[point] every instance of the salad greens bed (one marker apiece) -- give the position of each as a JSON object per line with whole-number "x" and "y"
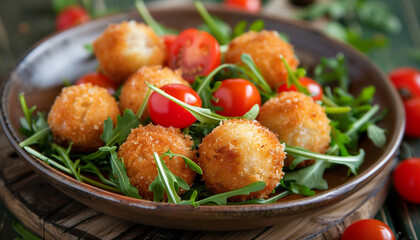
{"x": 351, "y": 118}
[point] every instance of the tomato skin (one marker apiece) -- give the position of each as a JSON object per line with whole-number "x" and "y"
{"x": 407, "y": 179}
{"x": 253, "y": 6}
{"x": 368, "y": 229}
{"x": 166, "y": 113}
{"x": 169, "y": 41}
{"x": 236, "y": 97}
{"x": 196, "y": 52}
{"x": 70, "y": 17}
{"x": 100, "y": 80}
{"x": 407, "y": 81}
{"x": 313, "y": 87}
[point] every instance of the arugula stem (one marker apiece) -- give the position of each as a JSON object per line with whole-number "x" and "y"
{"x": 337, "y": 110}
{"x": 33, "y": 139}
{"x": 63, "y": 154}
{"x": 292, "y": 79}
{"x": 141, "y": 7}
{"x": 210, "y": 76}
{"x": 26, "y": 111}
{"x": 49, "y": 161}
{"x": 143, "y": 105}
{"x": 247, "y": 59}
{"x": 273, "y": 199}
{"x": 208, "y": 19}
{"x": 328, "y": 102}
{"x": 364, "y": 119}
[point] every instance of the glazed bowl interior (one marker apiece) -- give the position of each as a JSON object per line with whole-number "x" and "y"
{"x": 40, "y": 77}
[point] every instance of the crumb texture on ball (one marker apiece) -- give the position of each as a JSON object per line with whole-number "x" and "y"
{"x": 240, "y": 152}
{"x": 135, "y": 90}
{"x": 266, "y": 49}
{"x": 125, "y": 47}
{"x": 77, "y": 115}
{"x": 298, "y": 121}
{"x": 137, "y": 154}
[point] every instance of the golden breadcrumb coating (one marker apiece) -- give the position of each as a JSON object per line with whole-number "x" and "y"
{"x": 240, "y": 152}
{"x": 298, "y": 121}
{"x": 134, "y": 89}
{"x": 78, "y": 115}
{"x": 125, "y": 47}
{"x": 265, "y": 48}
{"x": 137, "y": 154}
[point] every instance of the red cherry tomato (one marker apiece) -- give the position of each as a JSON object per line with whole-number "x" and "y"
{"x": 236, "y": 97}
{"x": 313, "y": 87}
{"x": 407, "y": 82}
{"x": 100, "y": 80}
{"x": 169, "y": 41}
{"x": 407, "y": 179}
{"x": 70, "y": 17}
{"x": 247, "y": 5}
{"x": 368, "y": 229}
{"x": 164, "y": 112}
{"x": 196, "y": 52}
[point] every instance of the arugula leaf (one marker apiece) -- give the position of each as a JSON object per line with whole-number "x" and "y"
{"x": 241, "y": 27}
{"x": 59, "y": 5}
{"x": 158, "y": 28}
{"x": 112, "y": 136}
{"x": 332, "y": 69}
{"x": 377, "y": 135}
{"x": 310, "y": 176}
{"x": 167, "y": 182}
{"x": 273, "y": 199}
{"x": 293, "y": 78}
{"x": 119, "y": 171}
{"x": 221, "y": 198}
{"x": 23, "y": 232}
{"x": 297, "y": 188}
{"x": 255, "y": 74}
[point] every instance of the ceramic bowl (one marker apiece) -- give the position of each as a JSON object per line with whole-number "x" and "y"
{"x": 62, "y": 56}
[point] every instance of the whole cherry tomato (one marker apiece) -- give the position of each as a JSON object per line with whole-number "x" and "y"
{"x": 164, "y": 112}
{"x": 169, "y": 41}
{"x": 368, "y": 229}
{"x": 407, "y": 82}
{"x": 100, "y": 80}
{"x": 407, "y": 179}
{"x": 313, "y": 87}
{"x": 236, "y": 97}
{"x": 195, "y": 52}
{"x": 70, "y": 17}
{"x": 247, "y": 5}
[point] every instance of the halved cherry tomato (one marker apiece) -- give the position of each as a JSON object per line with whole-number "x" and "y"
{"x": 70, "y": 17}
{"x": 236, "y": 97}
{"x": 407, "y": 179}
{"x": 100, "y": 80}
{"x": 313, "y": 87}
{"x": 164, "y": 112}
{"x": 407, "y": 82}
{"x": 196, "y": 52}
{"x": 368, "y": 229}
{"x": 247, "y": 5}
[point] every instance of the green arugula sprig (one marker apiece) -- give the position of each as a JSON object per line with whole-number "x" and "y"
{"x": 120, "y": 174}
{"x": 158, "y": 28}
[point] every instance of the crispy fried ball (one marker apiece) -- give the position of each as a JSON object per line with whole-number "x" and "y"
{"x": 78, "y": 115}
{"x": 137, "y": 154}
{"x": 240, "y": 152}
{"x": 134, "y": 89}
{"x": 123, "y": 48}
{"x": 298, "y": 121}
{"x": 265, "y": 48}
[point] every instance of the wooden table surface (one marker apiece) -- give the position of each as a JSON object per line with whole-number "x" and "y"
{"x": 24, "y": 22}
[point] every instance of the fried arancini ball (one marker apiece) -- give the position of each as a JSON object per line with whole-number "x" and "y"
{"x": 134, "y": 89}
{"x": 78, "y": 114}
{"x": 298, "y": 121}
{"x": 125, "y": 47}
{"x": 137, "y": 154}
{"x": 265, "y": 48}
{"x": 240, "y": 152}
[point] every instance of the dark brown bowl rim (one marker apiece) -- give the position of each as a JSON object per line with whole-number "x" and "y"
{"x": 331, "y": 195}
